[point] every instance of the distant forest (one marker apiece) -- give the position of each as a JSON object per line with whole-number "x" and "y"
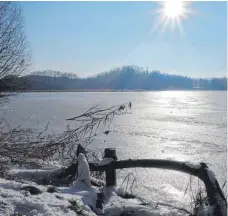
{"x": 124, "y": 78}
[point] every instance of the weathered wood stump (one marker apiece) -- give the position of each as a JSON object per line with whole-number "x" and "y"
{"x": 110, "y": 174}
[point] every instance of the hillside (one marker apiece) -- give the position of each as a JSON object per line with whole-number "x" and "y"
{"x": 52, "y": 73}
{"x": 124, "y": 78}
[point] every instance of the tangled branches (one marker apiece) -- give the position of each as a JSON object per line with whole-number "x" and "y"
{"x": 26, "y": 147}
{"x": 89, "y": 122}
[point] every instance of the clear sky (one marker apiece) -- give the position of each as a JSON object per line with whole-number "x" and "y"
{"x": 91, "y": 37}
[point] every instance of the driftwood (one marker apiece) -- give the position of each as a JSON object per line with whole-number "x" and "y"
{"x": 214, "y": 192}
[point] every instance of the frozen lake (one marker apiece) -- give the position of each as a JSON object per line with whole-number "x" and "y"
{"x": 177, "y": 125}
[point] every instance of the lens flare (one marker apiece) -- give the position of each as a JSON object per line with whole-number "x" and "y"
{"x": 171, "y": 13}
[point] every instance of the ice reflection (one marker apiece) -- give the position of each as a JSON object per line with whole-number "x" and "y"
{"x": 173, "y": 125}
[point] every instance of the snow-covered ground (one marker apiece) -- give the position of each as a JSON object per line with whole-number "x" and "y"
{"x": 14, "y": 201}
{"x": 79, "y": 198}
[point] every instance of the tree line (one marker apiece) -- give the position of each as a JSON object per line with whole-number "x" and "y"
{"x": 15, "y": 57}
{"x": 121, "y": 78}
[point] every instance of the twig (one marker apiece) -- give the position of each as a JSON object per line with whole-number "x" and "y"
{"x": 172, "y": 206}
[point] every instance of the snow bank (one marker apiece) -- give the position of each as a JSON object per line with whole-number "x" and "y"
{"x": 14, "y": 200}
{"x": 35, "y": 174}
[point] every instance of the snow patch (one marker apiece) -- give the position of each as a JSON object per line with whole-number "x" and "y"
{"x": 193, "y": 165}
{"x": 83, "y": 180}
{"x": 105, "y": 161}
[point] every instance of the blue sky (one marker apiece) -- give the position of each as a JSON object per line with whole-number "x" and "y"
{"x": 91, "y": 37}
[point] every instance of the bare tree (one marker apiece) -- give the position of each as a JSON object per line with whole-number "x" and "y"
{"x": 14, "y": 51}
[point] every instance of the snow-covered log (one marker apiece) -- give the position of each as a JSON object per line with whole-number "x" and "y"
{"x": 214, "y": 192}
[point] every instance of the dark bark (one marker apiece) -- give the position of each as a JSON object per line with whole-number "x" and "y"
{"x": 110, "y": 174}
{"x": 214, "y": 192}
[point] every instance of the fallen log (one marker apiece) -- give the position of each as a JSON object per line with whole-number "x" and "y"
{"x": 214, "y": 192}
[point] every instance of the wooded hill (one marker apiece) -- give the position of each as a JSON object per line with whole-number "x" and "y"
{"x": 124, "y": 78}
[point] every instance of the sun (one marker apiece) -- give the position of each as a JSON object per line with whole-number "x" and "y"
{"x": 173, "y": 9}
{"x": 171, "y": 13}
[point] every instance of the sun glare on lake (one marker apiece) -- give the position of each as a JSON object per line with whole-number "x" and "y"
{"x": 171, "y": 13}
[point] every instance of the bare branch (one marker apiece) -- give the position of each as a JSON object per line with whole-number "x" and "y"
{"x": 15, "y": 55}
{"x": 24, "y": 146}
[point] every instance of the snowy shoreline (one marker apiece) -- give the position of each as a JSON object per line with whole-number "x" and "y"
{"x": 75, "y": 199}
{"x": 14, "y": 201}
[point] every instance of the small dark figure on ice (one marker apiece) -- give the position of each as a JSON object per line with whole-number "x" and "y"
{"x": 129, "y": 105}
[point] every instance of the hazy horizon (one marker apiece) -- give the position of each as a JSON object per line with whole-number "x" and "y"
{"x": 87, "y": 38}
{"x": 86, "y": 76}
